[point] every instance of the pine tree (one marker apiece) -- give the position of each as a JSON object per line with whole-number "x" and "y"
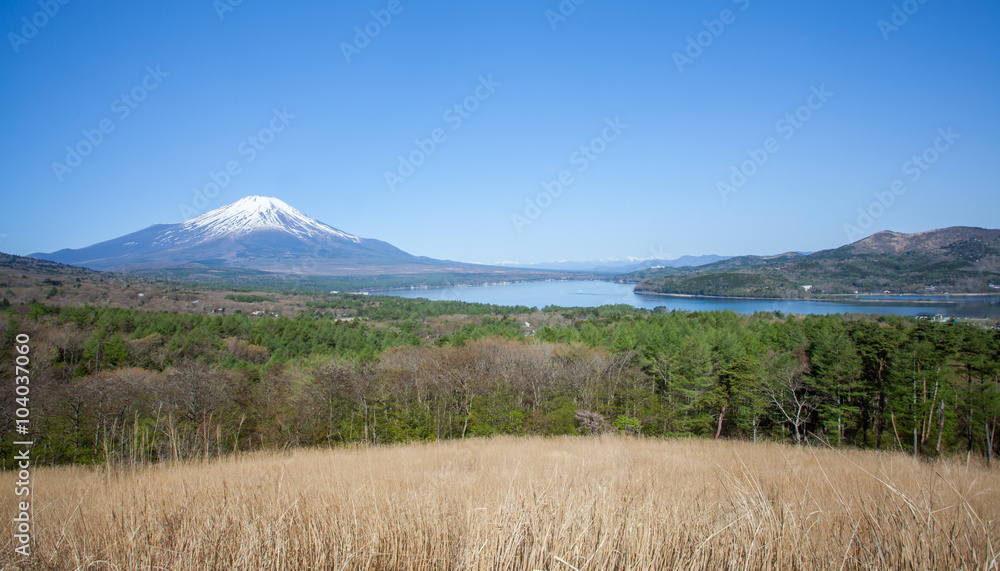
{"x": 834, "y": 371}
{"x": 877, "y": 344}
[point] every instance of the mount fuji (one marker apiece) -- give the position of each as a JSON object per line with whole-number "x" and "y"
{"x": 256, "y": 232}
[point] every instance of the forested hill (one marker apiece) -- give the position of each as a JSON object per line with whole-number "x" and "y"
{"x": 112, "y": 385}
{"x": 11, "y": 264}
{"x": 957, "y": 260}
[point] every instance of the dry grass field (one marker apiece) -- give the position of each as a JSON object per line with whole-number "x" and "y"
{"x": 509, "y": 503}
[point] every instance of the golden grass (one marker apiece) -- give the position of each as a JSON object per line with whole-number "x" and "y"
{"x": 509, "y": 503}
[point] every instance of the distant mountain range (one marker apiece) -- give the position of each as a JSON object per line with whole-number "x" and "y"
{"x": 256, "y": 237}
{"x": 254, "y": 233}
{"x": 952, "y": 260}
{"x": 617, "y": 266}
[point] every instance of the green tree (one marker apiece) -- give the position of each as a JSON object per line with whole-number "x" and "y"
{"x": 877, "y": 343}
{"x": 979, "y": 398}
{"x": 924, "y": 370}
{"x": 835, "y": 368}
{"x": 496, "y": 413}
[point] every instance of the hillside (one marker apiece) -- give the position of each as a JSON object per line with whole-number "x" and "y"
{"x": 12, "y": 264}
{"x": 213, "y": 290}
{"x": 525, "y": 503}
{"x": 958, "y": 260}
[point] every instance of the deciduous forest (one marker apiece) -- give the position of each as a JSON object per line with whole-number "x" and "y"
{"x": 117, "y": 385}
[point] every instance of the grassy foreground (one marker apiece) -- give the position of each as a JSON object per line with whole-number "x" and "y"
{"x": 521, "y": 503}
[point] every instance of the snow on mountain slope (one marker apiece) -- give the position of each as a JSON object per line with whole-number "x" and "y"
{"x": 255, "y": 232}
{"x": 251, "y": 214}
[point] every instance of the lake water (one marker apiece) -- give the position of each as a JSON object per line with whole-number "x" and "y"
{"x": 596, "y": 293}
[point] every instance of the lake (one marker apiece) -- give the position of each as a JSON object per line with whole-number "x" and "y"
{"x": 596, "y": 293}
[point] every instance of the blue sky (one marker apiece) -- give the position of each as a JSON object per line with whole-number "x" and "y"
{"x": 270, "y": 91}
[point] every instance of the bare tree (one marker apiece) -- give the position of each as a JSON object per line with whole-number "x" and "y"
{"x": 790, "y": 392}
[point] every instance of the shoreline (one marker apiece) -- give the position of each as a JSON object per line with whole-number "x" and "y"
{"x": 835, "y": 297}
{"x": 918, "y": 304}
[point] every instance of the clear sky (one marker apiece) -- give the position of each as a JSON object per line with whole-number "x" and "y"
{"x": 829, "y": 101}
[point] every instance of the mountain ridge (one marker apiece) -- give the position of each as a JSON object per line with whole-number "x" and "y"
{"x": 957, "y": 259}
{"x": 255, "y": 232}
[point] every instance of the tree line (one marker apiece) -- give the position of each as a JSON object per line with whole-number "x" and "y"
{"x": 114, "y": 385}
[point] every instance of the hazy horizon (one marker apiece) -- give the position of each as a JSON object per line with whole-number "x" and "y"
{"x": 620, "y": 260}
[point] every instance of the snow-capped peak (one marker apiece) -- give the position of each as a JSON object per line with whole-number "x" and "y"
{"x": 256, "y": 213}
